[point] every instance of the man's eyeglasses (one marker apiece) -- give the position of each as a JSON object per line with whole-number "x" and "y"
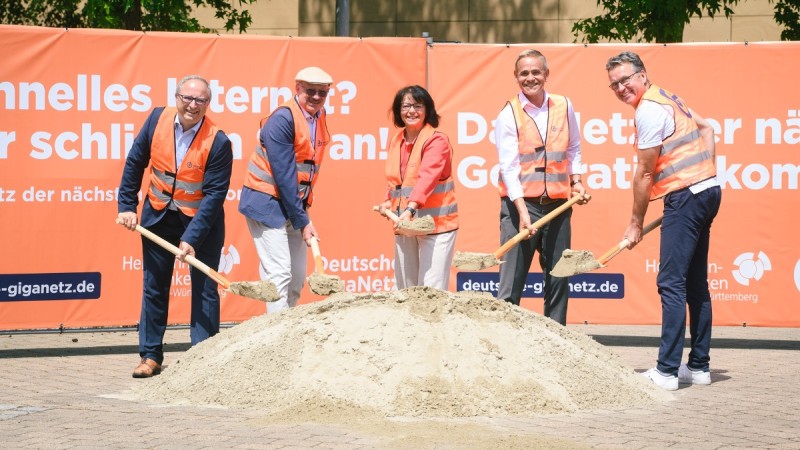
{"x": 625, "y": 81}
{"x": 312, "y": 92}
{"x": 408, "y": 107}
{"x": 188, "y": 99}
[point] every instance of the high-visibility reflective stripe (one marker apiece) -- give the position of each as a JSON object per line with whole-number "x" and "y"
{"x": 683, "y": 140}
{"x": 530, "y": 157}
{"x": 438, "y": 212}
{"x": 168, "y": 179}
{"x": 260, "y": 174}
{"x": 305, "y": 168}
{"x": 439, "y": 189}
{"x": 682, "y": 164}
{"x": 189, "y": 204}
{"x": 260, "y": 151}
{"x": 543, "y": 176}
{"x": 160, "y": 195}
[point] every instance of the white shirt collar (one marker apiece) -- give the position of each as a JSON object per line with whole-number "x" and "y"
{"x": 193, "y": 129}
{"x": 525, "y": 102}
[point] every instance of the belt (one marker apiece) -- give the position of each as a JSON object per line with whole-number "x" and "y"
{"x": 542, "y": 200}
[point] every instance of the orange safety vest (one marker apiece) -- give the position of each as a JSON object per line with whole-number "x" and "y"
{"x": 684, "y": 159}
{"x": 441, "y": 204}
{"x": 543, "y": 166}
{"x": 184, "y": 187}
{"x": 308, "y": 156}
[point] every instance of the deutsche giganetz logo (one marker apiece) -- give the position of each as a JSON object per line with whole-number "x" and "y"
{"x": 228, "y": 260}
{"x": 749, "y": 267}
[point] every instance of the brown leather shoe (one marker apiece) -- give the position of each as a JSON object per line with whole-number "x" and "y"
{"x": 146, "y": 369}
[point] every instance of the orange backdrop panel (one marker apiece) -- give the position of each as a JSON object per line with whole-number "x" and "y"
{"x": 754, "y": 268}
{"x": 72, "y": 101}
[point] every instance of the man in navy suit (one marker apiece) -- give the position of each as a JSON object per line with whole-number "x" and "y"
{"x": 190, "y": 162}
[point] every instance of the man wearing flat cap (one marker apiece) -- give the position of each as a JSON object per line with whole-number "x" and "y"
{"x": 279, "y": 184}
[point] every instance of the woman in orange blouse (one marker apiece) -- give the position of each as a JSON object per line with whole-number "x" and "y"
{"x": 420, "y": 183}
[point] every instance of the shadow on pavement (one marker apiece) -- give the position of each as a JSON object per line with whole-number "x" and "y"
{"x": 731, "y": 343}
{"x": 85, "y": 351}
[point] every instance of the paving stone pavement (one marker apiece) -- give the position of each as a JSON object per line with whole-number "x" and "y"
{"x": 56, "y": 394}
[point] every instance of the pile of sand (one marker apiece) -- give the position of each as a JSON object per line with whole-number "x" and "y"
{"x": 417, "y": 352}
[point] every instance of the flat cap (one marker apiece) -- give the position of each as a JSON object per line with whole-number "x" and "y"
{"x": 313, "y": 75}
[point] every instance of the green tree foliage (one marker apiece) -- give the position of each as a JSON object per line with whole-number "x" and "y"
{"x": 787, "y": 13}
{"x": 144, "y": 15}
{"x": 663, "y": 20}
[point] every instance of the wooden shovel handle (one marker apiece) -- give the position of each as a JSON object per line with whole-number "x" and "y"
{"x": 500, "y": 252}
{"x": 194, "y": 262}
{"x": 319, "y": 267}
{"x": 606, "y": 257}
{"x": 388, "y": 213}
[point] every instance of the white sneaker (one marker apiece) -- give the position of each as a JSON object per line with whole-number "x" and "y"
{"x": 691, "y": 376}
{"x": 666, "y": 382}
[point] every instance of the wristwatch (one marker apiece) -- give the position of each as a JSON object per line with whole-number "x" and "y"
{"x": 411, "y": 210}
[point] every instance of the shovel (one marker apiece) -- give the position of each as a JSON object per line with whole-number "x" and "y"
{"x": 416, "y": 227}
{"x": 479, "y": 261}
{"x": 263, "y": 291}
{"x": 319, "y": 282}
{"x": 574, "y": 262}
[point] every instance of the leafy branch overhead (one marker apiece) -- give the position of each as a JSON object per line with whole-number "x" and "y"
{"x": 664, "y": 20}
{"x": 144, "y": 15}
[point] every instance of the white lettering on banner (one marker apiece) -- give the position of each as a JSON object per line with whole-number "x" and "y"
{"x": 360, "y": 146}
{"x": 756, "y": 176}
{"x": 65, "y": 145}
{"x": 7, "y": 195}
{"x": 369, "y": 284}
{"x": 472, "y": 174}
{"x": 356, "y": 264}
{"x": 6, "y": 137}
{"x": 95, "y": 194}
{"x": 778, "y": 136}
{"x": 467, "y": 121}
{"x": 131, "y": 263}
{"x": 236, "y": 99}
{"x": 33, "y": 194}
{"x": 731, "y": 125}
{"x": 473, "y": 129}
{"x": 88, "y": 94}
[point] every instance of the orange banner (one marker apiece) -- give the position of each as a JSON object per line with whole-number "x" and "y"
{"x": 754, "y": 261}
{"x": 71, "y": 103}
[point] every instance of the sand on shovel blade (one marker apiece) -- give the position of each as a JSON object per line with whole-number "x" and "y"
{"x": 474, "y": 261}
{"x": 422, "y": 225}
{"x": 574, "y": 262}
{"x": 322, "y": 284}
{"x": 264, "y": 291}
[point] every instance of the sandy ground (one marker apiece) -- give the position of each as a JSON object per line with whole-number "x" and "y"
{"x": 415, "y": 353}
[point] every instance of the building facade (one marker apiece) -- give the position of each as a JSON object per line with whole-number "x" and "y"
{"x": 480, "y": 21}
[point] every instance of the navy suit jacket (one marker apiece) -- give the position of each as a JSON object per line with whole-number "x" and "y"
{"x": 210, "y": 215}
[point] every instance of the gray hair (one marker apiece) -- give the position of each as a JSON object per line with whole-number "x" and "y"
{"x": 193, "y": 77}
{"x": 531, "y": 53}
{"x": 623, "y": 58}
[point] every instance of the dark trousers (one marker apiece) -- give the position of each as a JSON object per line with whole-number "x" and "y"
{"x": 683, "y": 277}
{"x": 550, "y": 241}
{"x": 158, "y": 265}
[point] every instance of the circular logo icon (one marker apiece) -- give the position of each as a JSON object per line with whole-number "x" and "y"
{"x": 749, "y": 267}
